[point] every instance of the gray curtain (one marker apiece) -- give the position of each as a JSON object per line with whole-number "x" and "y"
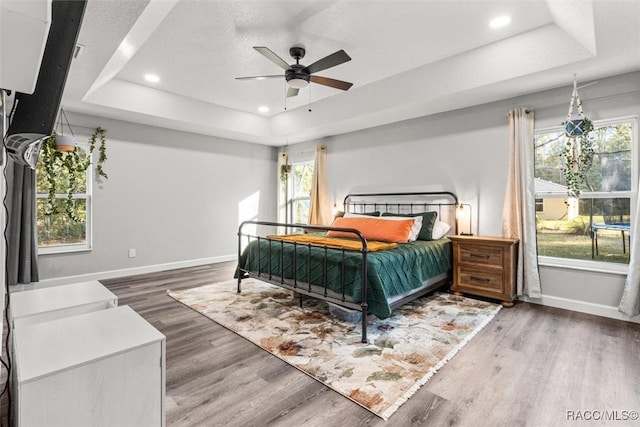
{"x": 22, "y": 239}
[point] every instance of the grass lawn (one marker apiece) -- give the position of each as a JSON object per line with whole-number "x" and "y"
{"x": 578, "y": 246}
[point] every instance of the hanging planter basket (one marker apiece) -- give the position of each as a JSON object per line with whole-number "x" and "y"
{"x": 64, "y": 143}
{"x": 575, "y": 127}
{"x": 578, "y": 153}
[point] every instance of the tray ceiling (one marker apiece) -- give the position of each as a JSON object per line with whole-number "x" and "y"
{"x": 409, "y": 58}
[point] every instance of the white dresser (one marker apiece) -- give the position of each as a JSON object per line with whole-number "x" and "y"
{"x": 103, "y": 368}
{"x": 43, "y": 304}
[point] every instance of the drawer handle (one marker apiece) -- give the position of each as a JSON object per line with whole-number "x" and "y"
{"x": 480, "y": 279}
{"x": 481, "y": 256}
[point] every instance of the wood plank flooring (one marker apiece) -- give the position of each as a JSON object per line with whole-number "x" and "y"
{"x": 531, "y": 366}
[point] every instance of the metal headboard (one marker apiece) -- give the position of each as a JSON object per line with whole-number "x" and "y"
{"x": 442, "y": 202}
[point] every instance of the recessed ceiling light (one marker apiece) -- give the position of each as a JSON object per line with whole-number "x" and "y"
{"x": 500, "y": 21}
{"x": 263, "y": 109}
{"x": 152, "y": 78}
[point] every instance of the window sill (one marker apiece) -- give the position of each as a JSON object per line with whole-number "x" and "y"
{"x": 584, "y": 265}
{"x": 63, "y": 249}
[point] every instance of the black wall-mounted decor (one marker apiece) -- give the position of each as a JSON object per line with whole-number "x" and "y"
{"x": 36, "y": 113}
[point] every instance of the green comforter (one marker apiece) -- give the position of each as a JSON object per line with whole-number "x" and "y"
{"x": 389, "y": 273}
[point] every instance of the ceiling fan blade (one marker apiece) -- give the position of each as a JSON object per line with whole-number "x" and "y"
{"x": 338, "y": 84}
{"x": 292, "y": 91}
{"x": 329, "y": 61}
{"x": 268, "y": 53}
{"x": 260, "y": 77}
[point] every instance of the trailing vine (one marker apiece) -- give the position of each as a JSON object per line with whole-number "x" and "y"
{"x": 59, "y": 165}
{"x": 102, "y": 150}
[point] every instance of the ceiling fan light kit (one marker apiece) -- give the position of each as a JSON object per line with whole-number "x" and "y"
{"x": 299, "y": 76}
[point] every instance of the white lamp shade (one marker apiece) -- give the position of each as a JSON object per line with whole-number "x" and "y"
{"x": 463, "y": 215}
{"x": 65, "y": 143}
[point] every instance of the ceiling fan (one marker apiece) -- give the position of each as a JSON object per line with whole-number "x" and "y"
{"x": 297, "y": 75}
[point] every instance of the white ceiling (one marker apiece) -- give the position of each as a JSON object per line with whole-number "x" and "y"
{"x": 409, "y": 58}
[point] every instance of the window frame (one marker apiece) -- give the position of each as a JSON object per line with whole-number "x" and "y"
{"x": 632, "y": 194}
{"x": 293, "y": 198}
{"x": 87, "y": 196}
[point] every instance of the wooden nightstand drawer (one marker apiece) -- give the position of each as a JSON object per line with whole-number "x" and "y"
{"x": 480, "y": 279}
{"x": 484, "y": 255}
{"x": 485, "y": 266}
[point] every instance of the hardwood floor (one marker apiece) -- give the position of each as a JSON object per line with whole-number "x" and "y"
{"x": 531, "y": 366}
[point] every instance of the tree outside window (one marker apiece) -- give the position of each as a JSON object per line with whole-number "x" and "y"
{"x": 58, "y": 232}
{"x": 300, "y": 181}
{"x": 595, "y": 226}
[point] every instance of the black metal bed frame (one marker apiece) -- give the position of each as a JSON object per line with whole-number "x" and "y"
{"x": 322, "y": 292}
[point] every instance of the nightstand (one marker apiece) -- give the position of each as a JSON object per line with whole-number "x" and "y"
{"x": 485, "y": 266}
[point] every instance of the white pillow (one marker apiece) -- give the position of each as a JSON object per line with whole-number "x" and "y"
{"x": 440, "y": 229}
{"x": 415, "y": 228}
{"x": 355, "y": 215}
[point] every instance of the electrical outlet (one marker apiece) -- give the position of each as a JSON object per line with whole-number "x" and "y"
{"x": 132, "y": 253}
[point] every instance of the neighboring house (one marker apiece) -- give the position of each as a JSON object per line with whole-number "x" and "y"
{"x": 552, "y": 202}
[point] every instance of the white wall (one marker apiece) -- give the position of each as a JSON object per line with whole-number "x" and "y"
{"x": 466, "y": 151}
{"x": 173, "y": 196}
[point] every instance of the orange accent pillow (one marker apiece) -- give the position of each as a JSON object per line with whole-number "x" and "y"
{"x": 374, "y": 229}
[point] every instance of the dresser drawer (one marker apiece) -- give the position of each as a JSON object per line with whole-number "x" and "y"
{"x": 483, "y": 255}
{"x": 480, "y": 279}
{"x": 485, "y": 266}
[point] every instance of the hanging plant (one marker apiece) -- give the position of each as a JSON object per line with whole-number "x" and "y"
{"x": 285, "y": 167}
{"x": 578, "y": 157}
{"x": 69, "y": 165}
{"x": 102, "y": 149}
{"x": 578, "y": 151}
{"x": 285, "y": 170}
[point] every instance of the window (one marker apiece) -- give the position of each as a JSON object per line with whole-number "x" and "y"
{"x": 299, "y": 192}
{"x": 595, "y": 226}
{"x": 59, "y": 233}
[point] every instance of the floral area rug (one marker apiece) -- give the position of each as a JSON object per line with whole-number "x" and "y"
{"x": 403, "y": 351}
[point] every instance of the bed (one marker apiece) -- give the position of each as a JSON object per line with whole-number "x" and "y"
{"x": 341, "y": 265}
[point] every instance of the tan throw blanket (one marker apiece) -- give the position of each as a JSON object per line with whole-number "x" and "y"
{"x": 333, "y": 242}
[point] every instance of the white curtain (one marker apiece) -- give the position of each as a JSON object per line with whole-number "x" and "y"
{"x": 518, "y": 216}
{"x": 319, "y": 208}
{"x": 630, "y": 302}
{"x": 283, "y": 161}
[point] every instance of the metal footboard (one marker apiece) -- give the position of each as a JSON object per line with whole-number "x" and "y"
{"x": 318, "y": 291}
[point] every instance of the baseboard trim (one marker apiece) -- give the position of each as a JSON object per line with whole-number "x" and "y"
{"x": 126, "y": 272}
{"x": 548, "y": 300}
{"x": 582, "y": 307}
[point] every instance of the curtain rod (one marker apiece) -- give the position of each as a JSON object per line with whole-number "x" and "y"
{"x": 322, "y": 147}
